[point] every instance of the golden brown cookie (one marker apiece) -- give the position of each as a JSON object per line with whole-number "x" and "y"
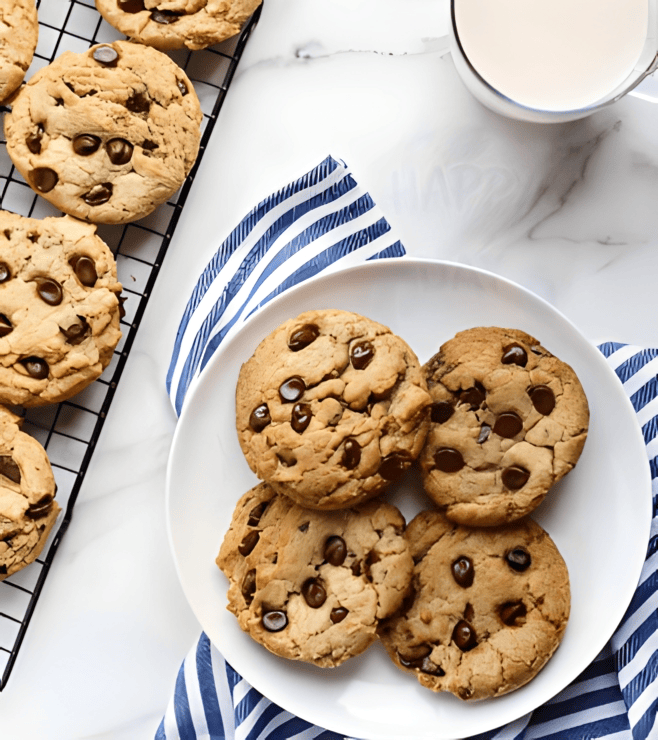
{"x": 312, "y": 585}
{"x": 28, "y": 510}
{"x": 331, "y": 408}
{"x": 19, "y": 32}
{"x": 489, "y": 606}
{"x": 509, "y": 419}
{"x": 174, "y": 24}
{"x": 108, "y": 134}
{"x": 59, "y": 308}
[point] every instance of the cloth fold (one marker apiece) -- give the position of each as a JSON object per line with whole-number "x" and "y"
{"x": 325, "y": 220}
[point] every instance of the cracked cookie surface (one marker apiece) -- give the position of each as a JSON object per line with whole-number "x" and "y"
{"x": 312, "y": 585}
{"x": 489, "y": 609}
{"x": 59, "y": 308}
{"x": 174, "y": 24}
{"x": 28, "y": 510}
{"x": 19, "y": 32}
{"x": 508, "y": 420}
{"x": 331, "y": 408}
{"x": 106, "y": 135}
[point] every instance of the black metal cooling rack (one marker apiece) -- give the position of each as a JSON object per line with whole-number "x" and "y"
{"x": 69, "y": 430}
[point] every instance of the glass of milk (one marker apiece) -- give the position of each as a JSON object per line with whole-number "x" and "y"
{"x": 553, "y": 60}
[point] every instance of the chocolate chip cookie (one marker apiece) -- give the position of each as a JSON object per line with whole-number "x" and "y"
{"x": 108, "y": 134}
{"x": 19, "y": 32}
{"x": 489, "y": 606}
{"x": 331, "y": 408}
{"x": 508, "y": 420}
{"x": 28, "y": 510}
{"x": 174, "y": 24}
{"x": 60, "y": 308}
{"x": 312, "y": 585}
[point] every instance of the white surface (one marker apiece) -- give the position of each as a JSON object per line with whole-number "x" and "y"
{"x": 600, "y": 509}
{"x": 568, "y": 211}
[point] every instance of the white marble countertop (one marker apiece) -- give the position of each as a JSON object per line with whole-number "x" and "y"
{"x": 569, "y": 211}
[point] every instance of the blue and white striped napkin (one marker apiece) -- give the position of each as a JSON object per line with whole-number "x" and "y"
{"x": 325, "y": 220}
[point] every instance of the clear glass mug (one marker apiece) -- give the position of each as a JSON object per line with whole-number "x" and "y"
{"x": 496, "y": 101}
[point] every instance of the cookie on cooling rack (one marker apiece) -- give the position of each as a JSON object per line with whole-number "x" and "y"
{"x": 106, "y": 135}
{"x": 312, "y": 585}
{"x": 331, "y": 408}
{"x": 178, "y": 23}
{"x": 489, "y": 606}
{"x": 508, "y": 420}
{"x": 28, "y": 509}
{"x": 59, "y": 308}
{"x": 19, "y": 32}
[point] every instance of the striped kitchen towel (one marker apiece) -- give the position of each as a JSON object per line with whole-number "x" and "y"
{"x": 325, "y": 219}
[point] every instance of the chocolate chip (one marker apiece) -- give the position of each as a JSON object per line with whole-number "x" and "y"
{"x": 514, "y": 354}
{"x": 511, "y": 612}
{"x": 301, "y": 417}
{"x": 5, "y": 272}
{"x": 338, "y": 614}
{"x": 441, "y": 411}
{"x": 361, "y": 354}
{"x": 131, "y": 6}
{"x": 260, "y": 418}
{"x": 351, "y": 454}
{"x": 335, "y": 550}
{"x": 3, "y": 570}
{"x": 49, "y": 290}
{"x": 275, "y": 620}
{"x": 44, "y": 179}
{"x": 314, "y": 593}
{"x": 119, "y": 151}
{"x": 474, "y": 396}
{"x": 356, "y": 568}
{"x": 5, "y": 325}
{"x": 393, "y": 466}
{"x": 248, "y": 587}
{"x": 36, "y": 367}
{"x": 77, "y": 331}
{"x": 98, "y": 195}
{"x": 464, "y": 636}
{"x": 106, "y": 55}
{"x": 508, "y": 425}
{"x": 463, "y": 571}
{"x": 515, "y": 477}
{"x": 164, "y": 16}
{"x": 41, "y": 508}
{"x": 149, "y": 146}
{"x": 256, "y": 513}
{"x": 483, "y": 436}
{"x": 292, "y": 390}
{"x": 248, "y": 542}
{"x": 138, "y": 102}
{"x": 85, "y": 270}
{"x": 33, "y": 139}
{"x": 303, "y": 336}
{"x": 182, "y": 87}
{"x": 518, "y": 559}
{"x": 9, "y": 468}
{"x": 86, "y": 144}
{"x": 448, "y": 460}
{"x": 543, "y": 399}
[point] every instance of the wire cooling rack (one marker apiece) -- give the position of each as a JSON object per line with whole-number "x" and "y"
{"x": 69, "y": 430}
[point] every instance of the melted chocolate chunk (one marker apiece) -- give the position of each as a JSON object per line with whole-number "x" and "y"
{"x": 441, "y": 411}
{"x": 361, "y": 354}
{"x": 483, "y": 436}
{"x": 49, "y": 290}
{"x": 514, "y": 354}
{"x": 518, "y": 559}
{"x": 85, "y": 144}
{"x": 248, "y": 542}
{"x": 260, "y": 418}
{"x": 41, "y": 508}
{"x": 474, "y": 396}
{"x": 149, "y": 146}
{"x": 292, "y": 390}
{"x": 77, "y": 332}
{"x": 351, "y": 454}
{"x": 5, "y": 325}
{"x": 511, "y": 612}
{"x": 119, "y": 151}
{"x": 98, "y": 195}
{"x": 508, "y": 425}
{"x": 138, "y": 102}
{"x": 335, "y": 550}
{"x": 448, "y": 460}
{"x": 275, "y": 620}
{"x": 36, "y": 367}
{"x": 85, "y": 269}
{"x": 515, "y": 477}
{"x": 9, "y": 468}
{"x": 33, "y": 139}
{"x": 303, "y": 336}
{"x": 256, "y": 513}
{"x": 543, "y": 399}
{"x": 464, "y": 636}
{"x": 248, "y": 587}
{"x": 165, "y": 17}
{"x": 5, "y": 272}
{"x": 314, "y": 593}
{"x": 3, "y": 570}
{"x": 44, "y": 179}
{"x": 393, "y": 466}
{"x": 338, "y": 614}
{"x": 463, "y": 571}
{"x": 301, "y": 417}
{"x": 106, "y": 55}
{"x": 131, "y": 6}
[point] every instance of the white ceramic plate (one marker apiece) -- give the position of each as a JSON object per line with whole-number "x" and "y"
{"x": 599, "y": 515}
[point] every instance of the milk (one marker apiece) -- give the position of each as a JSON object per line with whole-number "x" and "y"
{"x": 554, "y": 55}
